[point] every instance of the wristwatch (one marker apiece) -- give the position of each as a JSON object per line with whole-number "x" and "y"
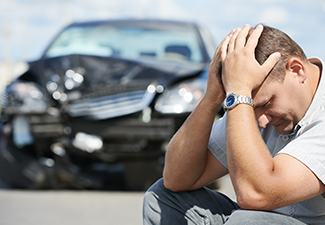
{"x": 232, "y": 100}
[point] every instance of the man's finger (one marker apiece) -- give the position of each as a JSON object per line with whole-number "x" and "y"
{"x": 271, "y": 61}
{"x": 217, "y": 53}
{"x": 241, "y": 37}
{"x": 253, "y": 38}
{"x": 224, "y": 48}
{"x": 232, "y": 41}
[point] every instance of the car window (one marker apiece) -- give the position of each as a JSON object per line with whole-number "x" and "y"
{"x": 129, "y": 41}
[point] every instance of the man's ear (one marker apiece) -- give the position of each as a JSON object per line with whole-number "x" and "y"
{"x": 296, "y": 67}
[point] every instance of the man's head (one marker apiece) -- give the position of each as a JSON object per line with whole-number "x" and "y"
{"x": 285, "y": 95}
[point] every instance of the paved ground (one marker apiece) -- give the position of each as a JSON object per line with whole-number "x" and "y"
{"x": 19, "y": 207}
{"x": 69, "y": 207}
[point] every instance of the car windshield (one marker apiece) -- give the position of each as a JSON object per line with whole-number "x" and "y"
{"x": 131, "y": 41}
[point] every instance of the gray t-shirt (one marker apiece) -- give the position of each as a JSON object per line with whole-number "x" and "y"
{"x": 306, "y": 143}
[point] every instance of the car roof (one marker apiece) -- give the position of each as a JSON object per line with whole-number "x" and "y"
{"x": 134, "y": 21}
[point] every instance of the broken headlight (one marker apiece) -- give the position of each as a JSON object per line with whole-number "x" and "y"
{"x": 182, "y": 98}
{"x": 23, "y": 98}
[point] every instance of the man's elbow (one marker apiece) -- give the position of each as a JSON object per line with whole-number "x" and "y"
{"x": 252, "y": 200}
{"x": 172, "y": 182}
{"x": 169, "y": 182}
{"x": 172, "y": 186}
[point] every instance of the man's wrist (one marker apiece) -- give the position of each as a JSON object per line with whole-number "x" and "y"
{"x": 215, "y": 99}
{"x": 211, "y": 105}
{"x": 240, "y": 92}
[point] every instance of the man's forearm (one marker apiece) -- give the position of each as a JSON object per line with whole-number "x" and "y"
{"x": 187, "y": 156}
{"x": 187, "y": 151}
{"x": 250, "y": 163}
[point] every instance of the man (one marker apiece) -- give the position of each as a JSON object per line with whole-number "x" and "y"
{"x": 278, "y": 167}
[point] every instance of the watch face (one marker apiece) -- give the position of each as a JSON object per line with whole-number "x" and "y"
{"x": 230, "y": 100}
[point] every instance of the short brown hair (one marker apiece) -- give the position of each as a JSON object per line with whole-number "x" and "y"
{"x": 273, "y": 40}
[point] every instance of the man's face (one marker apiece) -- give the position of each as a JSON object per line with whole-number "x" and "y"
{"x": 277, "y": 104}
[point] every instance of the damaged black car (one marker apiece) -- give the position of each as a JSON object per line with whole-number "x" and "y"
{"x": 98, "y": 109}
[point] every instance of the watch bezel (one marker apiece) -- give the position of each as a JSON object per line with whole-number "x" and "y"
{"x": 235, "y": 102}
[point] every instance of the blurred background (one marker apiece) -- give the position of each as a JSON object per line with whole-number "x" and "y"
{"x": 26, "y": 27}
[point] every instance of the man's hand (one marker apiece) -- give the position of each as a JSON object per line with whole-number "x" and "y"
{"x": 241, "y": 73}
{"x": 215, "y": 90}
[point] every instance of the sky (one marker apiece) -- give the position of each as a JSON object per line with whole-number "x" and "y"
{"x": 27, "y": 26}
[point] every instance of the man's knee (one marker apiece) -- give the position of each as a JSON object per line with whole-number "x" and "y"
{"x": 151, "y": 208}
{"x": 151, "y": 195}
{"x": 157, "y": 186}
{"x": 150, "y": 200}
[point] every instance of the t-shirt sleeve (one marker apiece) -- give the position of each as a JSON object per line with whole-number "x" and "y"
{"x": 309, "y": 148}
{"x": 217, "y": 141}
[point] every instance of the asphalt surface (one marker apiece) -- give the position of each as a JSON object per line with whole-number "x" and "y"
{"x": 26, "y": 207}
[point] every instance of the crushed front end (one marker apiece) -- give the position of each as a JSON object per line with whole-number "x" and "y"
{"x": 73, "y": 128}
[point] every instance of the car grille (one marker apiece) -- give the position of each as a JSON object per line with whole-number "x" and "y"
{"x": 111, "y": 106}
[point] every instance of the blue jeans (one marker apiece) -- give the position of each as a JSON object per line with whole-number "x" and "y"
{"x": 202, "y": 206}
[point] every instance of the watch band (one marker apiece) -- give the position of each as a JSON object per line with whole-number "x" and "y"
{"x": 244, "y": 99}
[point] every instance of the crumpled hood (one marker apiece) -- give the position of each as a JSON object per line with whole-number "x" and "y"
{"x": 102, "y": 88}
{"x": 102, "y": 73}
